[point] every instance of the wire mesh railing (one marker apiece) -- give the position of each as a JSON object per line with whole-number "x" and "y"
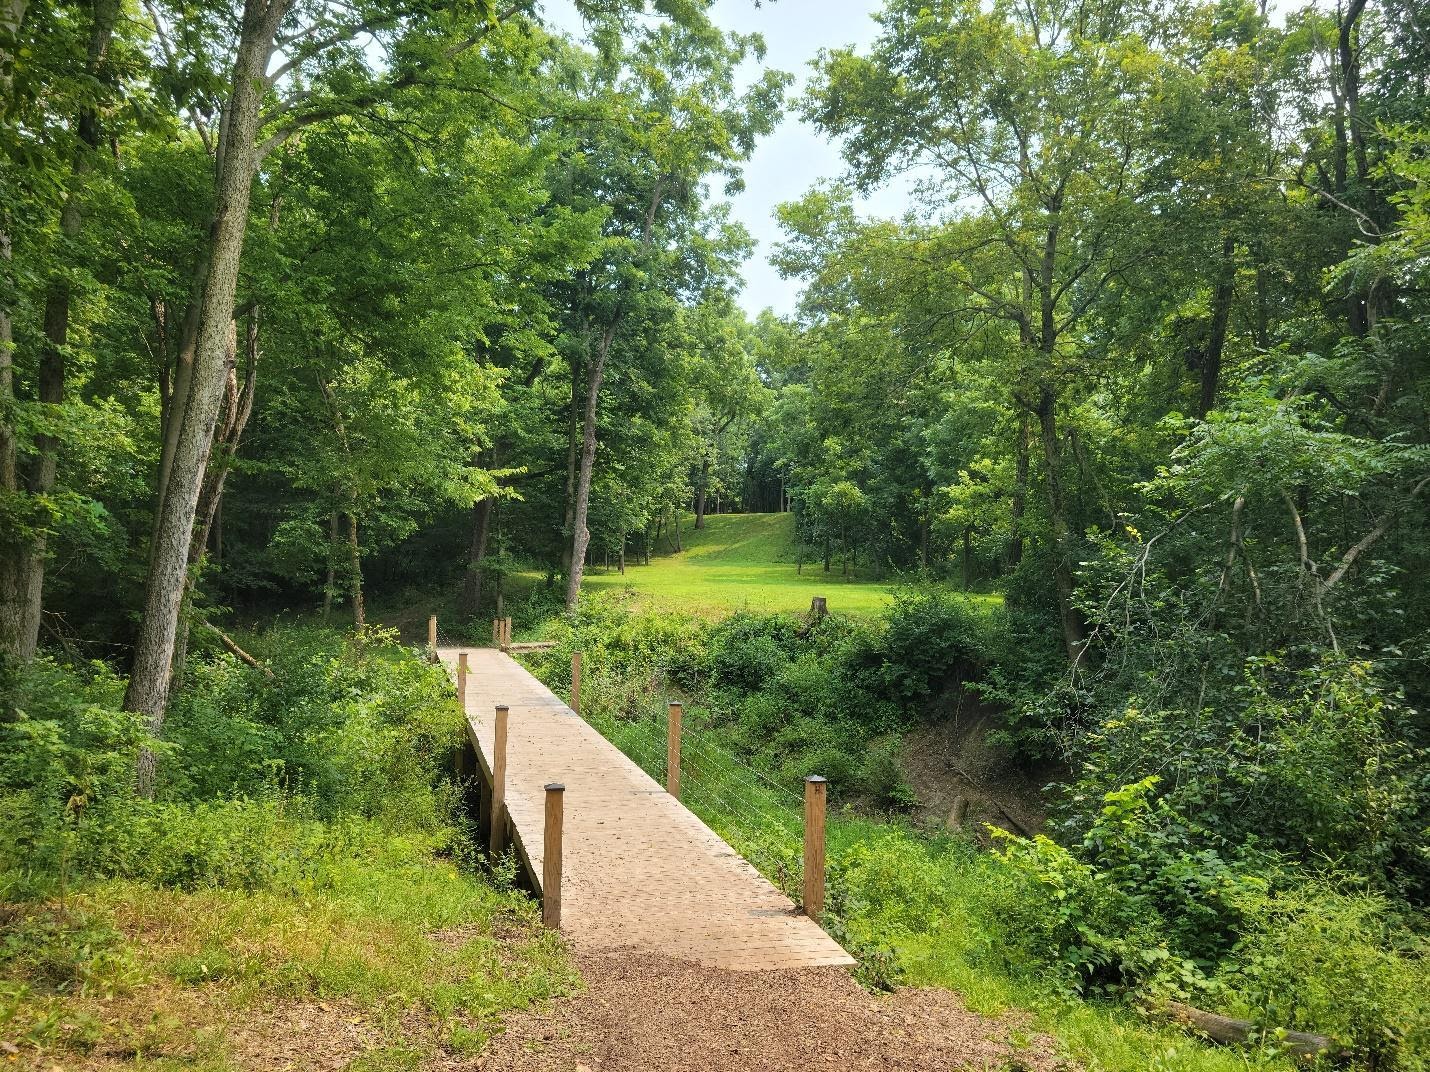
{"x": 775, "y": 827}
{"x": 760, "y": 818}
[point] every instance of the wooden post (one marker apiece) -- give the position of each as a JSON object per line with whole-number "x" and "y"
{"x": 551, "y": 856}
{"x": 496, "y": 632}
{"x": 432, "y": 633}
{"x": 814, "y": 787}
{"x": 498, "y": 835}
{"x": 462, "y": 680}
{"x": 672, "y": 749}
{"x": 576, "y": 681}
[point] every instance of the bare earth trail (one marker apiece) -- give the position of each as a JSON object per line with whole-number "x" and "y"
{"x": 691, "y": 959}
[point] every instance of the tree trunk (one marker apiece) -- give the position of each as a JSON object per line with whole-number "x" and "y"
{"x": 1073, "y": 630}
{"x": 233, "y": 419}
{"x": 580, "y": 535}
{"x": 1349, "y": 136}
{"x": 22, "y": 575}
{"x": 148, "y": 691}
{"x": 573, "y": 459}
{"x": 330, "y": 584}
{"x": 1216, "y": 341}
{"x": 12, "y": 603}
{"x": 967, "y": 557}
{"x": 355, "y": 574}
{"x": 701, "y": 492}
{"x": 471, "y": 601}
{"x": 1020, "y": 490}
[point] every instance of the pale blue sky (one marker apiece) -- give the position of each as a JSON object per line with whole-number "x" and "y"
{"x": 794, "y": 157}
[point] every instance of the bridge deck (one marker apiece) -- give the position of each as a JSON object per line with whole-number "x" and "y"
{"x": 639, "y": 868}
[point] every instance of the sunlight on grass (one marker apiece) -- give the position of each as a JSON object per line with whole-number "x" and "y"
{"x": 743, "y": 562}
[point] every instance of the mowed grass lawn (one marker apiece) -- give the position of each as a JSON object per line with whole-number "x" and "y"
{"x": 741, "y": 562}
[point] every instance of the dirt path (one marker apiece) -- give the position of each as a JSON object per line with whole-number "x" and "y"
{"x": 641, "y": 1014}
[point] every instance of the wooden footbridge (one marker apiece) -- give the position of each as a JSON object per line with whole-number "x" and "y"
{"x": 637, "y": 869}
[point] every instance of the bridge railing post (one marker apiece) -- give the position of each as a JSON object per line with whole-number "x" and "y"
{"x": 551, "y": 856}
{"x": 814, "y": 800}
{"x": 462, "y": 680}
{"x": 432, "y": 636}
{"x": 498, "y": 831}
{"x": 496, "y": 632}
{"x": 576, "y": 681}
{"x": 672, "y": 748}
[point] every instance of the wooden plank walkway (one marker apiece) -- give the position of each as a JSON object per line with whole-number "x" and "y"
{"x": 640, "y": 870}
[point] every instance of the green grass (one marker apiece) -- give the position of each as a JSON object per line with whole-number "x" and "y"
{"x": 742, "y": 562}
{"x": 424, "y": 958}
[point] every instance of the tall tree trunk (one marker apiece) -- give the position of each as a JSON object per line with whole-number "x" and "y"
{"x": 22, "y": 576}
{"x": 12, "y": 14}
{"x": 573, "y": 460}
{"x": 355, "y": 574}
{"x": 580, "y": 535}
{"x": 702, "y": 491}
{"x": 1350, "y": 137}
{"x": 1216, "y": 340}
{"x": 1020, "y": 488}
{"x": 148, "y": 691}
{"x": 471, "y": 600}
{"x": 1074, "y": 635}
{"x": 967, "y": 557}
{"x": 233, "y": 419}
{"x": 330, "y": 584}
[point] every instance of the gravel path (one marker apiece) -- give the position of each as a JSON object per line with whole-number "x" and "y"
{"x": 640, "y": 1014}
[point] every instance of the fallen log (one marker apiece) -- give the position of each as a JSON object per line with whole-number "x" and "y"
{"x": 1225, "y": 1029}
{"x": 232, "y": 647}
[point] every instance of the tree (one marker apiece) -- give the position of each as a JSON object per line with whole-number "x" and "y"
{"x": 683, "y": 121}
{"x": 1038, "y": 115}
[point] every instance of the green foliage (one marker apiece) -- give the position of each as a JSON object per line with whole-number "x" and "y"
{"x": 305, "y": 844}
{"x": 267, "y": 780}
{"x": 67, "y": 761}
{"x": 1314, "y": 764}
{"x": 355, "y": 726}
{"x": 1337, "y": 962}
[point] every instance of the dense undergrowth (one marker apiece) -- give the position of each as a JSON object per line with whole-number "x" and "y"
{"x": 1265, "y": 907}
{"x": 302, "y": 851}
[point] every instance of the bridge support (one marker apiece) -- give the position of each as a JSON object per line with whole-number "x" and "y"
{"x": 498, "y": 833}
{"x": 814, "y": 794}
{"x": 551, "y": 856}
{"x": 672, "y": 749}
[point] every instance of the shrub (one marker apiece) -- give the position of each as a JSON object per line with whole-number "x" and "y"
{"x": 1319, "y": 959}
{"x": 67, "y": 762}
{"x": 1308, "y": 763}
{"x": 353, "y": 725}
{"x": 746, "y": 652}
{"x": 260, "y": 779}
